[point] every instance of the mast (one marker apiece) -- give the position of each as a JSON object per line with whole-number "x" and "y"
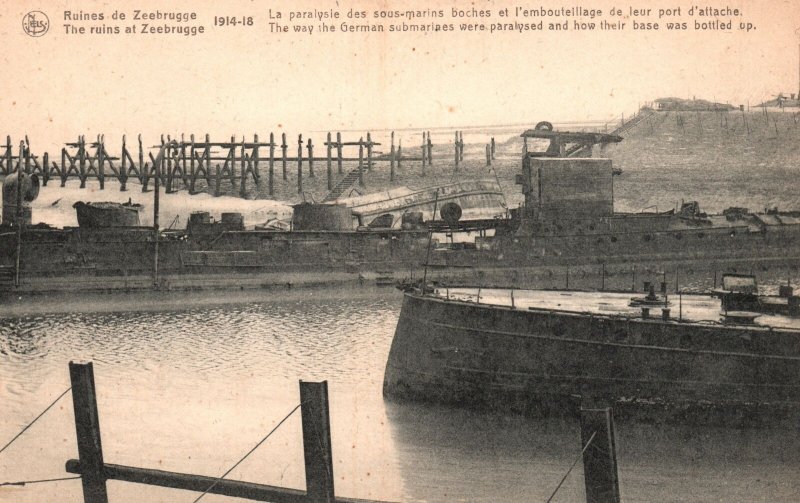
{"x": 19, "y": 214}
{"x": 430, "y": 238}
{"x": 157, "y": 162}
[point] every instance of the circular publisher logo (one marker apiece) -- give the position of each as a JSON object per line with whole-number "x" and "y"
{"x": 35, "y": 23}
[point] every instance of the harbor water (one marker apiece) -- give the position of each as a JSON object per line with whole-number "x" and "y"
{"x": 190, "y": 382}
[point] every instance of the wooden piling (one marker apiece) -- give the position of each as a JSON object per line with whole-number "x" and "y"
{"x": 391, "y": 159}
{"x": 255, "y": 157}
{"x": 87, "y": 428}
{"x": 207, "y": 155}
{"x": 271, "y": 182}
{"x": 424, "y": 154}
{"x": 329, "y": 170}
{"x": 284, "y": 149}
{"x": 599, "y": 456}
{"x": 361, "y": 162}
{"x": 493, "y": 147}
{"x": 310, "y": 159}
{"x": 63, "y": 167}
{"x": 299, "y": 164}
{"x": 339, "y": 152}
{"x": 217, "y": 181}
{"x": 399, "y": 152}
{"x": 9, "y": 168}
{"x": 488, "y": 155}
{"x": 317, "y": 441}
{"x": 192, "y": 165}
{"x": 46, "y": 171}
{"x": 82, "y": 160}
{"x": 369, "y": 151}
{"x": 243, "y": 171}
{"x": 161, "y": 172}
{"x": 101, "y": 162}
{"x": 123, "y": 170}
{"x": 455, "y": 149}
{"x": 142, "y": 166}
{"x": 430, "y": 150}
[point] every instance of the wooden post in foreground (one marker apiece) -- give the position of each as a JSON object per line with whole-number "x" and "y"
{"x": 87, "y": 427}
{"x": 600, "y": 457}
{"x": 317, "y": 441}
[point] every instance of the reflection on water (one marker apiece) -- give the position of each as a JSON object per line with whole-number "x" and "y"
{"x": 191, "y": 382}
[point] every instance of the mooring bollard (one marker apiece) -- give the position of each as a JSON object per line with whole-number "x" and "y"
{"x": 317, "y": 441}
{"x": 87, "y": 428}
{"x": 599, "y": 456}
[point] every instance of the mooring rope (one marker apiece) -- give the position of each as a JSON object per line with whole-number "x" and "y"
{"x": 212, "y": 486}
{"x": 25, "y": 482}
{"x": 571, "y": 467}
{"x": 35, "y": 419}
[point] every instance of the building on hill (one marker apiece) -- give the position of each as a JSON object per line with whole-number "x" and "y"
{"x": 693, "y": 105}
{"x": 781, "y": 101}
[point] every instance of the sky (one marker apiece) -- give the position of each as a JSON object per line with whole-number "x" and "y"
{"x": 245, "y": 79}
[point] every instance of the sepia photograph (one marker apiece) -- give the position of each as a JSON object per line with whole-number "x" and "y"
{"x": 399, "y": 251}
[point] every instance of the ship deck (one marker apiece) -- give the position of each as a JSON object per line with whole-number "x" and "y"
{"x": 688, "y": 308}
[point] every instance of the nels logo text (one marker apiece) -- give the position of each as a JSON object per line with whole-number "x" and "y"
{"x": 35, "y": 23}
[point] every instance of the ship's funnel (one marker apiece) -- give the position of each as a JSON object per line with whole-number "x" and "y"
{"x": 29, "y": 191}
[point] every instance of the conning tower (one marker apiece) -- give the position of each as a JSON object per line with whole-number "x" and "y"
{"x": 566, "y": 190}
